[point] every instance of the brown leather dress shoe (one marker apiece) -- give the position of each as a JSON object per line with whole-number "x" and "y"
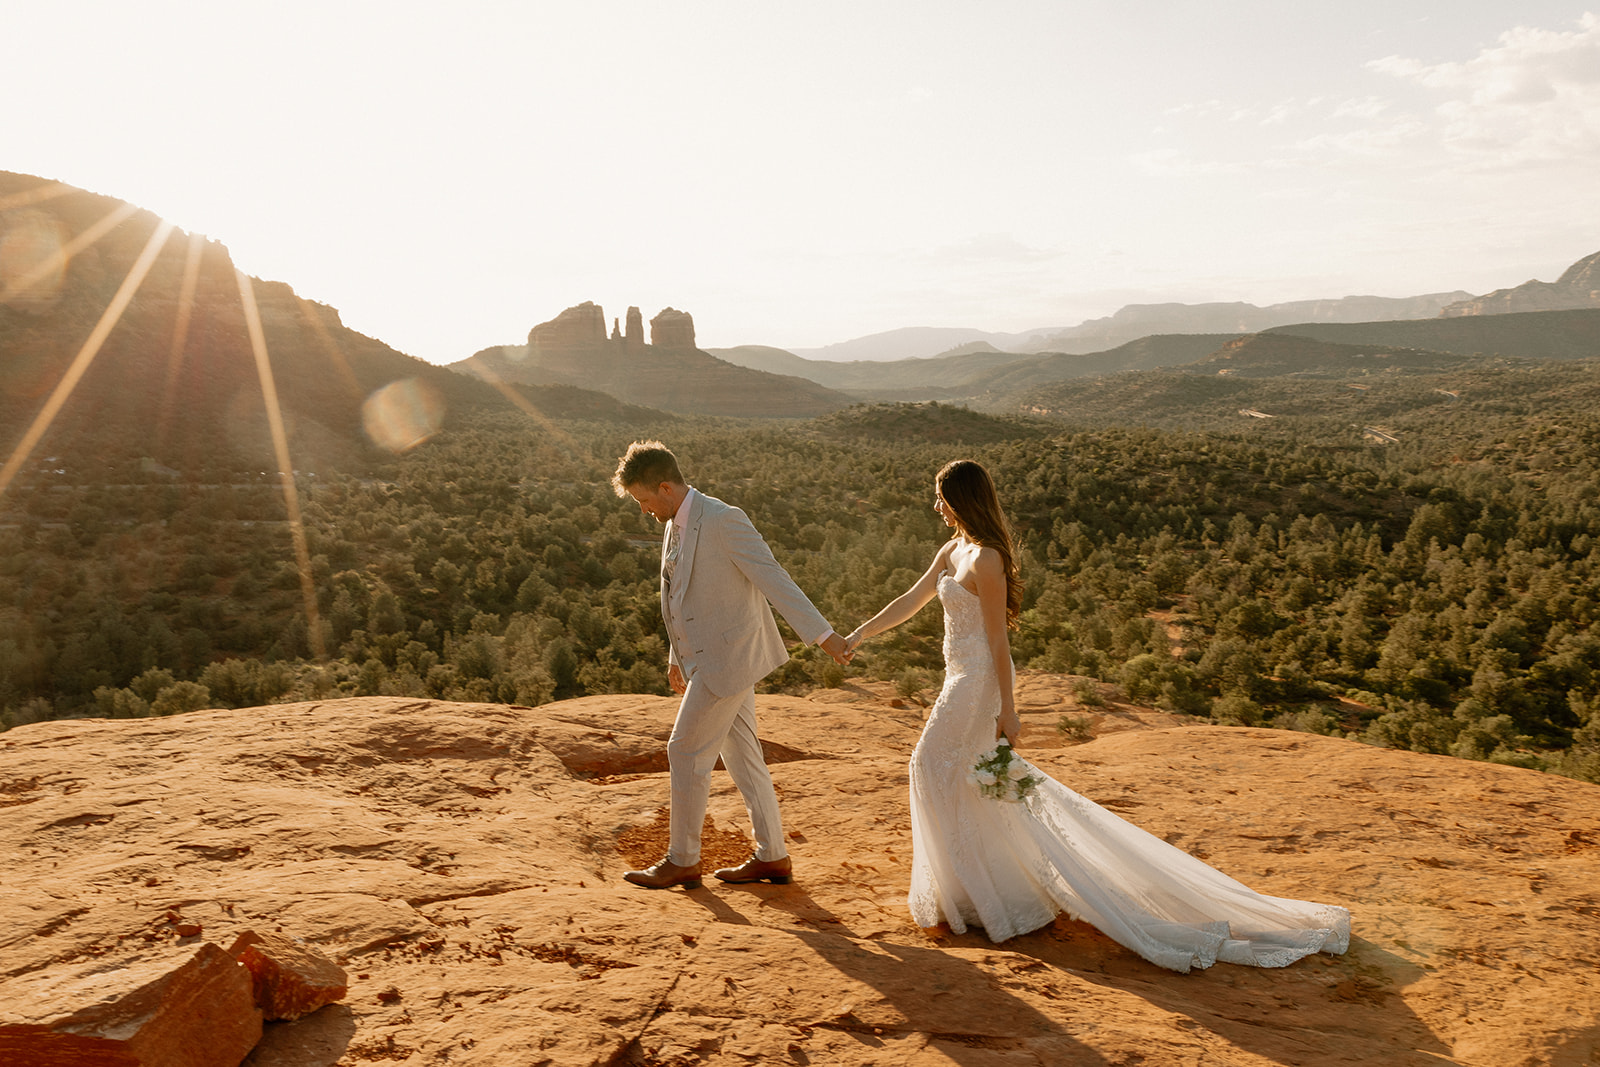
{"x": 665, "y": 875}
{"x": 778, "y": 872}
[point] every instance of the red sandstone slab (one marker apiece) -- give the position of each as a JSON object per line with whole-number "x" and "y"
{"x": 197, "y": 1013}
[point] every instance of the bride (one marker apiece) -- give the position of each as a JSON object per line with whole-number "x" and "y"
{"x": 1011, "y": 867}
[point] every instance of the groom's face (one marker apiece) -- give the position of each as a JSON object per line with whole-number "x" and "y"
{"x": 656, "y": 501}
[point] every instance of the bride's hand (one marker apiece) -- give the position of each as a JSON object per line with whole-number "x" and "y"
{"x": 853, "y": 642}
{"x": 1008, "y": 724}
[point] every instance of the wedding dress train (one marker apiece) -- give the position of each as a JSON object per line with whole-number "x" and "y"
{"x": 1011, "y": 867}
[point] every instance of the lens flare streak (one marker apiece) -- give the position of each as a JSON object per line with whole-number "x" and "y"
{"x": 520, "y": 402}
{"x": 180, "y": 333}
{"x": 280, "y": 449}
{"x": 91, "y": 348}
{"x": 37, "y": 195}
{"x": 58, "y": 261}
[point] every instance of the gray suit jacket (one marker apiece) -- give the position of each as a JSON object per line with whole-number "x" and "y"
{"x": 719, "y": 626}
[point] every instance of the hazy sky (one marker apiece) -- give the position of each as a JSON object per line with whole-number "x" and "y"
{"x": 448, "y": 175}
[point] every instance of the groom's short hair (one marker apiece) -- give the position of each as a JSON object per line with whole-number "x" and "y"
{"x": 645, "y": 463}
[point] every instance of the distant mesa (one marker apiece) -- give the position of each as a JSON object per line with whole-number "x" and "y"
{"x": 1578, "y": 287}
{"x": 670, "y": 373}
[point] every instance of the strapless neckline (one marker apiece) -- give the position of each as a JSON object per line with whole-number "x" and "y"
{"x": 948, "y": 577}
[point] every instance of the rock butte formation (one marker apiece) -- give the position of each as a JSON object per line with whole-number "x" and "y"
{"x": 669, "y": 373}
{"x": 672, "y": 329}
{"x": 1578, "y": 287}
{"x": 462, "y": 863}
{"x": 633, "y": 336}
{"x": 581, "y": 328}
{"x": 581, "y": 331}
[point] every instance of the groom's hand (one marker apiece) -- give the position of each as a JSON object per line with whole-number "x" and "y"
{"x": 835, "y": 646}
{"x": 675, "y": 678}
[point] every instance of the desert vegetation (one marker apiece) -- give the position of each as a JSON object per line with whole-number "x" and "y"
{"x": 1439, "y": 595}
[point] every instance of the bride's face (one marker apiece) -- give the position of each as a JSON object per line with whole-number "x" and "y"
{"x": 943, "y": 510}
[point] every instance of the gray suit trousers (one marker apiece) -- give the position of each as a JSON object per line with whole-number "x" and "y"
{"x": 709, "y": 726}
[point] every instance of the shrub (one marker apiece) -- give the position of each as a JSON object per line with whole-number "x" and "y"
{"x": 181, "y": 697}
{"x": 1076, "y": 728}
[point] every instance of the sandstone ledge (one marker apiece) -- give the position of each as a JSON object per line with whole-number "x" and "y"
{"x": 462, "y": 863}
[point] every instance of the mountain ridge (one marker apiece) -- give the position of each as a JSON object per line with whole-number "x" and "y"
{"x": 176, "y": 380}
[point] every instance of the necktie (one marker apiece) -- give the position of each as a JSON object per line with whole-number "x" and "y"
{"x": 670, "y": 564}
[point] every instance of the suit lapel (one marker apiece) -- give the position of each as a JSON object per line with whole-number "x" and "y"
{"x": 686, "y": 543}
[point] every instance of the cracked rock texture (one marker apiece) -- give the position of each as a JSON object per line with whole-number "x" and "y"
{"x": 462, "y": 863}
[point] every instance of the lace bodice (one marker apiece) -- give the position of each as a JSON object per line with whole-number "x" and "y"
{"x": 966, "y": 648}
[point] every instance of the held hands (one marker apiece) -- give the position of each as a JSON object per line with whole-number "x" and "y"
{"x": 675, "y": 678}
{"x": 853, "y": 642}
{"x": 837, "y": 647}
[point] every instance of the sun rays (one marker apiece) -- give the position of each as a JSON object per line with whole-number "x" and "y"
{"x": 52, "y": 262}
{"x": 180, "y": 332}
{"x": 37, "y": 250}
{"x": 280, "y": 450}
{"x": 91, "y": 348}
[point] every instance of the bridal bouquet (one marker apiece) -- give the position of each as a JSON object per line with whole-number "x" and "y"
{"x": 1002, "y": 774}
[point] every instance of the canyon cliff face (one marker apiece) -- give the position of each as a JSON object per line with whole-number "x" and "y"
{"x": 462, "y": 864}
{"x": 1578, "y": 287}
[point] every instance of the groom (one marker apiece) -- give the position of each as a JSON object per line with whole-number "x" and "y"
{"x": 717, "y": 577}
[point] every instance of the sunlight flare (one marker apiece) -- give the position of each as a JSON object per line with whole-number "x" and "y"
{"x": 310, "y": 316}
{"x": 180, "y": 333}
{"x": 91, "y": 348}
{"x": 37, "y": 195}
{"x": 24, "y": 286}
{"x": 403, "y": 414}
{"x": 520, "y": 402}
{"x": 280, "y": 449}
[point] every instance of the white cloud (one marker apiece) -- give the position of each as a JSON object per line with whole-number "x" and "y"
{"x": 1532, "y": 97}
{"x": 1366, "y": 107}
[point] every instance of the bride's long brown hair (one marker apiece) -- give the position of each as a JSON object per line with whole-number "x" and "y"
{"x": 968, "y": 492}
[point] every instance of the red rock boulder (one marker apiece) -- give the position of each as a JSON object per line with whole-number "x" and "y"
{"x": 291, "y": 978}
{"x": 198, "y": 1013}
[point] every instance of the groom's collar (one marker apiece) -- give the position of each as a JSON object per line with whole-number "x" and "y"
{"x": 680, "y": 518}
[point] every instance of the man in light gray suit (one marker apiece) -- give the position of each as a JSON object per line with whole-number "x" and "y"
{"x": 717, "y": 579}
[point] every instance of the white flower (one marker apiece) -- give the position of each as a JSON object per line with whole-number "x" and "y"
{"x": 986, "y": 778}
{"x": 1017, "y": 770}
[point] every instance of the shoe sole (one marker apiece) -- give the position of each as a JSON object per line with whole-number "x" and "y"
{"x": 775, "y": 879}
{"x": 693, "y": 883}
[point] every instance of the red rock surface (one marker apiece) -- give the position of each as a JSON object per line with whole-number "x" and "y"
{"x": 291, "y": 978}
{"x": 168, "y": 1011}
{"x": 463, "y": 863}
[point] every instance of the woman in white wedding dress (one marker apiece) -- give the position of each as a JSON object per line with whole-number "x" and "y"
{"x": 1011, "y": 867}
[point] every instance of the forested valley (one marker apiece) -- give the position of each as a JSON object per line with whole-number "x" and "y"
{"x": 1437, "y": 592}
